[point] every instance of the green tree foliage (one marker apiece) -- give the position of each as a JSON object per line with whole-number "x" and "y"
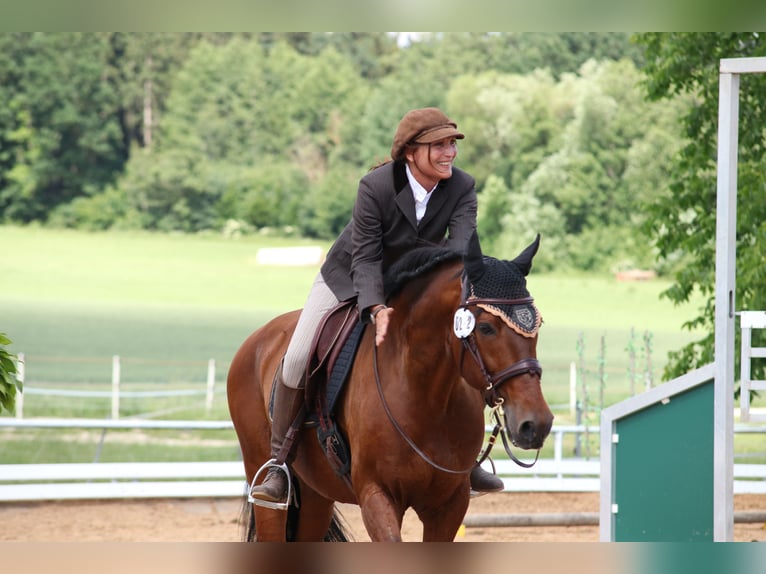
{"x": 60, "y": 131}
{"x": 237, "y": 120}
{"x": 510, "y": 220}
{"x": 570, "y": 153}
{"x": 204, "y": 131}
{"x": 517, "y": 119}
{"x": 327, "y": 208}
{"x": 682, "y": 220}
{"x": 9, "y": 384}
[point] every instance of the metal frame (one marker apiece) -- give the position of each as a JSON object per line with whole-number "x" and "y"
{"x": 730, "y": 70}
{"x": 725, "y": 279}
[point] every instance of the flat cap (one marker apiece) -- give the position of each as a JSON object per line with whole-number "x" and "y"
{"x": 423, "y": 125}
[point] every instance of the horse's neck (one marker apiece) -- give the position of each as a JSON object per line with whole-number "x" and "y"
{"x": 431, "y": 366}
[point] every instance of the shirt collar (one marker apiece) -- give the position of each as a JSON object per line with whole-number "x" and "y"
{"x": 418, "y": 191}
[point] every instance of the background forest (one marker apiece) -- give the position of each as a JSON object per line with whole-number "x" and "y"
{"x": 602, "y": 142}
{"x": 193, "y": 132}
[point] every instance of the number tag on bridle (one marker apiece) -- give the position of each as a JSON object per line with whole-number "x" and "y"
{"x": 464, "y": 323}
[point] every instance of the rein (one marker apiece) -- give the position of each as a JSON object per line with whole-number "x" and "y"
{"x": 402, "y": 432}
{"x": 491, "y": 396}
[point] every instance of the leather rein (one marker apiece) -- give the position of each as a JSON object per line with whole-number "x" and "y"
{"x": 491, "y": 396}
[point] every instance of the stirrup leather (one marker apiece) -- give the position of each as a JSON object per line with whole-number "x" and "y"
{"x": 272, "y": 462}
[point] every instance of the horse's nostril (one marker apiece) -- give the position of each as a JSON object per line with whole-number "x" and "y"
{"x": 527, "y": 431}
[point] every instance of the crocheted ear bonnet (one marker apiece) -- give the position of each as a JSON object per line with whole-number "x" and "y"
{"x": 504, "y": 280}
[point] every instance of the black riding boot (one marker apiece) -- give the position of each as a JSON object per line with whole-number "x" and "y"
{"x": 287, "y": 404}
{"x": 483, "y": 481}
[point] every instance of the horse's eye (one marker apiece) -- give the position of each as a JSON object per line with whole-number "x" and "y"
{"x": 486, "y": 329}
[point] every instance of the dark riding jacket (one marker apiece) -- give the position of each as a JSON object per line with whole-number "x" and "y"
{"x": 383, "y": 227}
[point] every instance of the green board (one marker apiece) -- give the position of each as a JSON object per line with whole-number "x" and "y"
{"x": 663, "y": 477}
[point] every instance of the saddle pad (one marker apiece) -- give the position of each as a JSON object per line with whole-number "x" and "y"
{"x": 342, "y": 368}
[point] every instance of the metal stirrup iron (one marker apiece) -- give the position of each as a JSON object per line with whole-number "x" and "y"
{"x": 271, "y": 463}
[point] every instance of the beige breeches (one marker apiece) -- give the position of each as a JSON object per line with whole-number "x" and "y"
{"x": 320, "y": 300}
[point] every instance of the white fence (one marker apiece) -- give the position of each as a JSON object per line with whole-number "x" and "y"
{"x": 19, "y": 482}
{"x": 116, "y": 392}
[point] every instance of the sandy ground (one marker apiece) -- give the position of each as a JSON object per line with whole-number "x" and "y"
{"x": 217, "y": 520}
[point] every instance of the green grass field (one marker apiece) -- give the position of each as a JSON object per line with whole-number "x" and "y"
{"x": 166, "y": 304}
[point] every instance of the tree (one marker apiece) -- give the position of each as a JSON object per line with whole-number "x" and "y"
{"x": 247, "y": 128}
{"x": 572, "y": 155}
{"x": 327, "y": 208}
{"x": 512, "y": 121}
{"x": 9, "y": 384}
{"x": 683, "y": 221}
{"x": 508, "y": 221}
{"x": 60, "y": 134}
{"x": 495, "y": 203}
{"x": 143, "y": 67}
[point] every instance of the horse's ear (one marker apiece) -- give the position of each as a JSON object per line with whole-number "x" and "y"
{"x": 473, "y": 260}
{"x": 524, "y": 259}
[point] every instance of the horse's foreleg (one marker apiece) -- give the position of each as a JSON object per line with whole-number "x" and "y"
{"x": 381, "y": 516}
{"x": 441, "y": 524}
{"x": 316, "y": 514}
{"x": 270, "y": 524}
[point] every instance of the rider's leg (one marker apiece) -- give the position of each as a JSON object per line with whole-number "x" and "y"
{"x": 289, "y": 392}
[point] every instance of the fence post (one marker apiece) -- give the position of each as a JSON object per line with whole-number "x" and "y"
{"x": 602, "y": 372}
{"x": 210, "y": 385}
{"x": 631, "y": 349}
{"x": 20, "y": 377}
{"x": 648, "y": 376}
{"x": 572, "y": 389}
{"x": 116, "y": 387}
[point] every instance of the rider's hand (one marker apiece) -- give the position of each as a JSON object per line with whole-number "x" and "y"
{"x": 380, "y": 321}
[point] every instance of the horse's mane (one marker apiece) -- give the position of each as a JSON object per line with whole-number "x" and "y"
{"x": 414, "y": 264}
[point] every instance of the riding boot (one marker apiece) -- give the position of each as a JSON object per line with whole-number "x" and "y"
{"x": 287, "y": 405}
{"x": 483, "y": 481}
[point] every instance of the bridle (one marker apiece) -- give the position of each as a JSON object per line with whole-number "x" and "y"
{"x": 522, "y": 367}
{"x": 494, "y": 381}
{"x": 491, "y": 395}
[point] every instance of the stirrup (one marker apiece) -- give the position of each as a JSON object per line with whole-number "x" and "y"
{"x": 272, "y": 462}
{"x": 477, "y": 493}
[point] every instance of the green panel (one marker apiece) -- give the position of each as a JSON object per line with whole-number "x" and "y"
{"x": 663, "y": 471}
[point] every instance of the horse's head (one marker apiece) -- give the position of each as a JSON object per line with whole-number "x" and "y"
{"x": 498, "y": 324}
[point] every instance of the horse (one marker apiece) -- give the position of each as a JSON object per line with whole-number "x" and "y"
{"x": 463, "y": 335}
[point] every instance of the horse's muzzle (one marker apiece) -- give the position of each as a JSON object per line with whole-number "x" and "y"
{"x": 531, "y": 434}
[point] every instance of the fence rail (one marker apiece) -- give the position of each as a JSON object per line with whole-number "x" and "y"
{"x": 26, "y": 482}
{"x": 117, "y": 391}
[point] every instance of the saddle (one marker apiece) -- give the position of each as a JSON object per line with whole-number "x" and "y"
{"x": 330, "y": 360}
{"x": 333, "y": 349}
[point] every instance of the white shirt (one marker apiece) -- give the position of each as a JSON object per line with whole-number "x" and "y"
{"x": 420, "y": 194}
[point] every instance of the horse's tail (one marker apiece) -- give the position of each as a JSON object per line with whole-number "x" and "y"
{"x": 338, "y": 531}
{"x": 247, "y": 521}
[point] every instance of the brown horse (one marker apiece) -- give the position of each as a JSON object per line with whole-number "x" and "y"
{"x": 463, "y": 335}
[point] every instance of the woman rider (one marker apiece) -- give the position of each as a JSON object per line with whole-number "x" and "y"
{"x": 417, "y": 198}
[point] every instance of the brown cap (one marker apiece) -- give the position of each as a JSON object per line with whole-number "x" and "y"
{"x": 424, "y": 125}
